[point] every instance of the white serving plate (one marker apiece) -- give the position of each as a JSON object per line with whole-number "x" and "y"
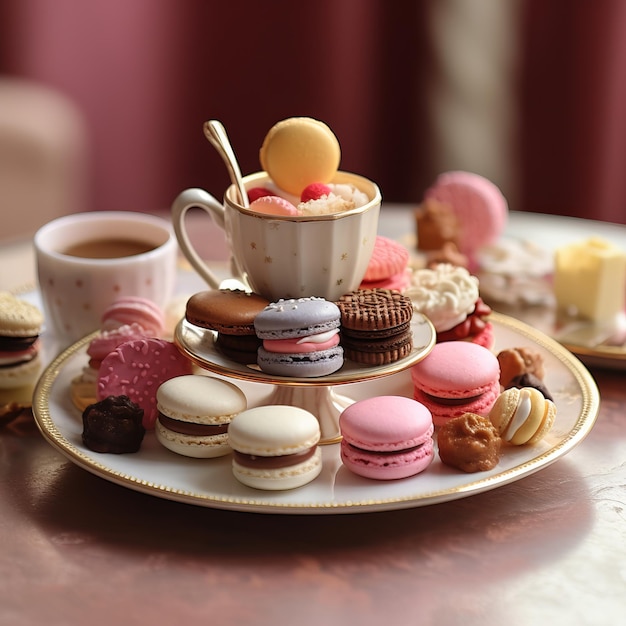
{"x": 210, "y": 483}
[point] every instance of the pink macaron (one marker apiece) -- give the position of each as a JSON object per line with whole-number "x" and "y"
{"x": 456, "y": 377}
{"x": 134, "y": 310}
{"x": 273, "y": 205}
{"x": 478, "y": 204}
{"x": 387, "y": 267}
{"x": 386, "y": 437}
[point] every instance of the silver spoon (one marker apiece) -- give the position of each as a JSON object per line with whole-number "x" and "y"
{"x": 216, "y": 134}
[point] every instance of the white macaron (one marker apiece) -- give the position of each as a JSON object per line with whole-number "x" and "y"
{"x": 194, "y": 414}
{"x": 275, "y": 447}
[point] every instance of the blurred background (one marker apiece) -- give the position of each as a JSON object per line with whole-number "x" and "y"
{"x": 528, "y": 93}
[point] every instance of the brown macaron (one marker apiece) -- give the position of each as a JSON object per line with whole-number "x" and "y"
{"x": 231, "y": 313}
{"x": 375, "y": 326}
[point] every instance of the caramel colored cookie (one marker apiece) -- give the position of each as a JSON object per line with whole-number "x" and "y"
{"x": 436, "y": 224}
{"x": 82, "y": 392}
{"x": 517, "y": 361}
{"x": 470, "y": 443}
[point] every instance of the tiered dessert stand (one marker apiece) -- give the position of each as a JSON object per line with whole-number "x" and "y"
{"x": 316, "y": 395}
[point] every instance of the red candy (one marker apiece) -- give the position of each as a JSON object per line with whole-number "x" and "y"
{"x": 258, "y": 192}
{"x": 314, "y": 191}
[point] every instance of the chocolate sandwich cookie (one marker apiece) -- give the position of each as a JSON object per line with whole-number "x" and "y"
{"x": 231, "y": 313}
{"x": 375, "y": 326}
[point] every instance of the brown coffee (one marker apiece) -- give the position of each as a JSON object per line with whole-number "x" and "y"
{"x": 111, "y": 248}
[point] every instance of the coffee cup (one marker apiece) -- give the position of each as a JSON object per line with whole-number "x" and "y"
{"x": 85, "y": 261}
{"x": 280, "y": 256}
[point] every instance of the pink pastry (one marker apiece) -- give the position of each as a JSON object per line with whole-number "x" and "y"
{"x": 273, "y": 205}
{"x": 387, "y": 267}
{"x": 134, "y": 310}
{"x": 476, "y": 327}
{"x": 102, "y": 345}
{"x": 479, "y": 205}
{"x": 137, "y": 368}
{"x": 386, "y": 437}
{"x": 457, "y": 377}
{"x": 399, "y": 282}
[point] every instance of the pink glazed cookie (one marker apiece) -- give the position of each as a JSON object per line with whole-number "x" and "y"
{"x": 386, "y": 437}
{"x": 137, "y": 368}
{"x": 479, "y": 205}
{"x": 457, "y": 377}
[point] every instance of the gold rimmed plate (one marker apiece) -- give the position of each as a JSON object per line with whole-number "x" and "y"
{"x": 210, "y": 483}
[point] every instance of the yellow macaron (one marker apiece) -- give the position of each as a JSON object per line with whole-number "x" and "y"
{"x": 299, "y": 151}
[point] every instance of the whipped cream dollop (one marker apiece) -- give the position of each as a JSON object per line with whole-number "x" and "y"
{"x": 446, "y": 294}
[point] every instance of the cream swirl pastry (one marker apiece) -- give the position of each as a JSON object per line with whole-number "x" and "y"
{"x": 446, "y": 294}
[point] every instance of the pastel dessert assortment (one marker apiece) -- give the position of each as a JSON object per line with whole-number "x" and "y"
{"x": 468, "y": 402}
{"x": 126, "y": 319}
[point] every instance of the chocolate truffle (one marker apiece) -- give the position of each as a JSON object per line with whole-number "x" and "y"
{"x": 113, "y": 425}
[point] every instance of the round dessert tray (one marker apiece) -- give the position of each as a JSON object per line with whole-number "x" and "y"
{"x": 210, "y": 482}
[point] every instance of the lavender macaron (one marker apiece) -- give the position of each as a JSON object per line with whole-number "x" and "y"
{"x": 300, "y": 338}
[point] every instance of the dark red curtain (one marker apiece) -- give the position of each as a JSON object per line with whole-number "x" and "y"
{"x": 148, "y": 73}
{"x": 573, "y": 108}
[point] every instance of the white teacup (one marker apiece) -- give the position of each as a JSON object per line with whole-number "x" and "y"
{"x": 287, "y": 256}
{"x": 85, "y": 261}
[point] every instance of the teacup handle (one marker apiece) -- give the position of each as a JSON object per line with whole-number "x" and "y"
{"x": 192, "y": 198}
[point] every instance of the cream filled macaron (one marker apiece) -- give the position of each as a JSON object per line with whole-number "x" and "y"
{"x": 194, "y": 413}
{"x": 522, "y": 416}
{"x": 275, "y": 447}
